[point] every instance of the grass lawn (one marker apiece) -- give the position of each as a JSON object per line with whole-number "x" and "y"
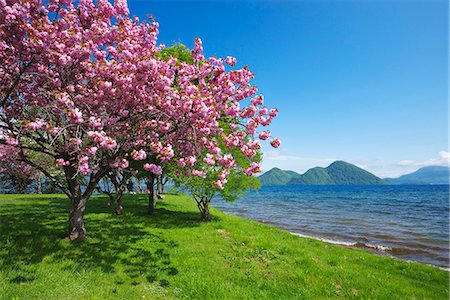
{"x": 173, "y": 255}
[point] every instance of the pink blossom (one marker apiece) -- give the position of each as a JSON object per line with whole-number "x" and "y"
{"x": 253, "y": 169}
{"x": 76, "y": 116}
{"x": 11, "y": 141}
{"x": 155, "y": 169}
{"x": 123, "y": 163}
{"x": 251, "y": 126}
{"x": 108, "y": 143}
{"x": 191, "y": 160}
{"x": 104, "y": 141}
{"x": 198, "y": 173}
{"x": 36, "y": 124}
{"x": 156, "y": 146}
{"x": 258, "y": 100}
{"x": 64, "y": 98}
{"x": 233, "y": 110}
{"x": 275, "y": 143}
{"x": 139, "y": 155}
{"x": 231, "y": 61}
{"x": 273, "y": 112}
{"x": 51, "y": 130}
{"x": 264, "y": 135}
{"x": 83, "y": 165}
{"x": 209, "y": 159}
{"x": 263, "y": 111}
{"x": 197, "y": 53}
{"x": 91, "y": 151}
{"x": 248, "y": 151}
{"x": 60, "y": 162}
{"x": 165, "y": 126}
{"x": 167, "y": 153}
{"x": 121, "y": 7}
{"x": 181, "y": 163}
{"x": 95, "y": 123}
{"x": 222, "y": 175}
{"x": 255, "y": 145}
{"x": 220, "y": 183}
{"x": 226, "y": 161}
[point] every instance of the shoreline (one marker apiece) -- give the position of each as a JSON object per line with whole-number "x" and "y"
{"x": 366, "y": 247}
{"x": 378, "y": 250}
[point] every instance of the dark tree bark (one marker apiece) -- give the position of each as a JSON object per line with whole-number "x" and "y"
{"x": 78, "y": 199}
{"x": 119, "y": 187}
{"x": 77, "y": 231}
{"x": 119, "y": 207}
{"x": 203, "y": 206}
{"x": 151, "y": 194}
{"x": 39, "y": 184}
{"x": 158, "y": 185}
{"x": 20, "y": 186}
{"x": 139, "y": 185}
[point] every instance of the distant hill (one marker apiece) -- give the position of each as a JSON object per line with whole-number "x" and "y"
{"x": 277, "y": 176}
{"x": 338, "y": 173}
{"x": 425, "y": 175}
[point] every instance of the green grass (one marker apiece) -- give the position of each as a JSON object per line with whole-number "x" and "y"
{"x": 173, "y": 255}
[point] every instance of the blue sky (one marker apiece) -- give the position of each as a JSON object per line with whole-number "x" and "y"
{"x": 360, "y": 81}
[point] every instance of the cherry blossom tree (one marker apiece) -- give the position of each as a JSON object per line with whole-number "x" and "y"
{"x": 87, "y": 86}
{"x": 84, "y": 89}
{"x": 18, "y": 172}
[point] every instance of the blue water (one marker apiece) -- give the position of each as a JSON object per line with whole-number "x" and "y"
{"x": 408, "y": 222}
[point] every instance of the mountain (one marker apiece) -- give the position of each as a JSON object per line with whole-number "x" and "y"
{"x": 313, "y": 176}
{"x": 277, "y": 176}
{"x": 425, "y": 175}
{"x": 338, "y": 173}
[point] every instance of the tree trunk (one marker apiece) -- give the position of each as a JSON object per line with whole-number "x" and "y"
{"x": 119, "y": 186}
{"x": 203, "y": 206}
{"x": 110, "y": 197}
{"x": 119, "y": 195}
{"x": 39, "y": 184}
{"x": 77, "y": 231}
{"x": 139, "y": 184}
{"x": 158, "y": 185}
{"x": 119, "y": 207}
{"x": 151, "y": 194}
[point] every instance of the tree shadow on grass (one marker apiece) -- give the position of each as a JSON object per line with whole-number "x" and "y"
{"x": 131, "y": 245}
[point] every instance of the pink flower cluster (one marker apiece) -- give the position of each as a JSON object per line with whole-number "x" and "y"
{"x": 121, "y": 163}
{"x": 155, "y": 169}
{"x": 253, "y": 169}
{"x": 139, "y": 155}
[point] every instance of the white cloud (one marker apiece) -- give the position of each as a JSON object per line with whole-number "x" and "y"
{"x": 300, "y": 164}
{"x": 442, "y": 160}
{"x": 444, "y": 155}
{"x": 362, "y": 166}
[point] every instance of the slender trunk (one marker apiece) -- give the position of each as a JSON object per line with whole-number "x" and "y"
{"x": 139, "y": 184}
{"x": 110, "y": 197}
{"x": 119, "y": 195}
{"x": 77, "y": 231}
{"x": 118, "y": 186}
{"x": 158, "y": 185}
{"x": 39, "y": 184}
{"x": 151, "y": 194}
{"x": 203, "y": 206}
{"x": 119, "y": 207}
